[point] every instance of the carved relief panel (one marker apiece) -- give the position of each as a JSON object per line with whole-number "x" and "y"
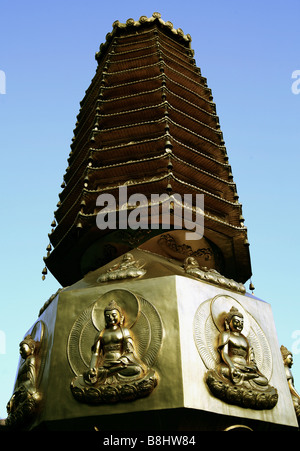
{"x": 26, "y": 399}
{"x": 112, "y": 347}
{"x": 236, "y": 353}
{"x": 126, "y": 269}
{"x": 287, "y": 357}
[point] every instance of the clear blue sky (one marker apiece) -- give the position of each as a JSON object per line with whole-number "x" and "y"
{"x": 248, "y": 52}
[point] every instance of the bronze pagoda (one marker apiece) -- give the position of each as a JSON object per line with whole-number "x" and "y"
{"x": 151, "y": 330}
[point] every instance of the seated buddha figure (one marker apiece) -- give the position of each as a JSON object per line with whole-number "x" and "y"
{"x": 113, "y": 352}
{"x": 238, "y": 361}
{"x": 237, "y": 379}
{"x": 115, "y": 372}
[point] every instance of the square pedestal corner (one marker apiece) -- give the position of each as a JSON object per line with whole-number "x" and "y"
{"x": 200, "y": 306}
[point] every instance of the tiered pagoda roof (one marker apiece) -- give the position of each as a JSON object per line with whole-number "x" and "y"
{"x": 147, "y": 121}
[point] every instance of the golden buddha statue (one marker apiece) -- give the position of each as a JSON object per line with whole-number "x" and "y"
{"x": 115, "y": 372}
{"x": 238, "y": 360}
{"x": 287, "y": 357}
{"x": 113, "y": 350}
{"x": 237, "y": 379}
{"x": 25, "y": 398}
{"x": 127, "y": 268}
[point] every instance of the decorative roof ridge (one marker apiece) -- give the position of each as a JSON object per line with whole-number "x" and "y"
{"x": 198, "y": 152}
{"x": 158, "y": 105}
{"x": 159, "y": 63}
{"x": 140, "y": 160}
{"x": 134, "y": 110}
{"x": 108, "y": 129}
{"x": 143, "y": 34}
{"x": 162, "y": 155}
{"x": 190, "y": 90}
{"x": 146, "y": 47}
{"x": 72, "y": 207}
{"x": 131, "y": 69}
{"x": 132, "y": 82}
{"x": 168, "y": 175}
{"x": 134, "y": 143}
{"x": 218, "y": 146}
{"x": 104, "y": 148}
{"x": 128, "y": 96}
{"x": 162, "y": 44}
{"x": 226, "y": 201}
{"x": 156, "y": 121}
{"x": 154, "y": 53}
{"x": 179, "y": 60}
{"x": 132, "y": 24}
{"x": 203, "y": 171}
{"x": 209, "y": 102}
{"x": 206, "y": 214}
{"x": 214, "y": 129}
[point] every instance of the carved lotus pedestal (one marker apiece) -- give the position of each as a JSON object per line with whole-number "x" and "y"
{"x": 144, "y": 350}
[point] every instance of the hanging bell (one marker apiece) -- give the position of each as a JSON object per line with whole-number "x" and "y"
{"x": 251, "y": 287}
{"x": 169, "y": 188}
{"x": 170, "y": 164}
{"x": 168, "y": 145}
{"x": 86, "y": 181}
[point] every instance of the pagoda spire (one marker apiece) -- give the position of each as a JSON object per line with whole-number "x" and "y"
{"x": 147, "y": 122}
